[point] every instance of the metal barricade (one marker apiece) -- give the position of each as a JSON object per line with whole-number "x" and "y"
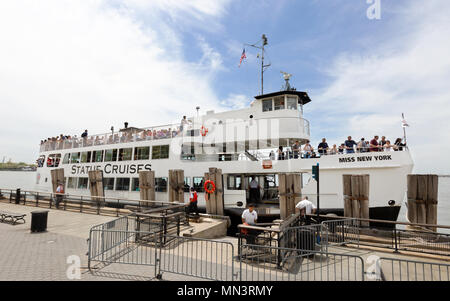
{"x": 258, "y": 263}
{"x": 340, "y": 232}
{"x": 391, "y": 269}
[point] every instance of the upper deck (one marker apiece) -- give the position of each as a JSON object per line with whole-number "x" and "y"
{"x": 275, "y": 116}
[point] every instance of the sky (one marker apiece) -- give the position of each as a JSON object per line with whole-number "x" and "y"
{"x": 66, "y": 66}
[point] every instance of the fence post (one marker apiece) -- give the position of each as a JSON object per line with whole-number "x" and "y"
{"x": 51, "y": 200}
{"x": 37, "y": 199}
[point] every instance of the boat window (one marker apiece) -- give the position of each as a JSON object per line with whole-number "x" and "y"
{"x": 234, "y": 183}
{"x": 135, "y": 184}
{"x": 108, "y": 183}
{"x": 141, "y": 153}
{"x": 123, "y": 184}
{"x": 279, "y": 103}
{"x": 199, "y": 183}
{"x": 72, "y": 183}
{"x": 110, "y": 155}
{"x": 97, "y": 156}
{"x": 187, "y": 184}
{"x": 267, "y": 105}
{"x": 75, "y": 158}
{"x": 83, "y": 183}
{"x": 192, "y": 133}
{"x": 40, "y": 161}
{"x": 66, "y": 159}
{"x": 53, "y": 160}
{"x": 160, "y": 184}
{"x": 86, "y": 157}
{"x": 160, "y": 152}
{"x": 125, "y": 154}
{"x": 291, "y": 103}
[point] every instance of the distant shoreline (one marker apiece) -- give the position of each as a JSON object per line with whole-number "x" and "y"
{"x": 16, "y": 169}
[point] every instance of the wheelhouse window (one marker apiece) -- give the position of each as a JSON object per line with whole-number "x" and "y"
{"x": 234, "y": 183}
{"x": 108, "y": 183}
{"x": 72, "y": 183}
{"x": 110, "y": 155}
{"x": 160, "y": 184}
{"x": 66, "y": 159}
{"x": 199, "y": 184}
{"x": 123, "y": 184}
{"x": 267, "y": 105}
{"x": 291, "y": 103}
{"x": 53, "y": 160}
{"x": 97, "y": 156}
{"x": 75, "y": 158}
{"x": 160, "y": 152}
{"x": 83, "y": 183}
{"x": 142, "y": 153}
{"x": 135, "y": 184}
{"x": 125, "y": 154}
{"x": 279, "y": 103}
{"x": 86, "y": 157}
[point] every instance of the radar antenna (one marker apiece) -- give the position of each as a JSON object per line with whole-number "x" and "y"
{"x": 263, "y": 67}
{"x": 287, "y": 86}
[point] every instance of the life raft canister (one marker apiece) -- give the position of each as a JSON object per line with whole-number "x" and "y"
{"x": 203, "y": 131}
{"x": 213, "y": 186}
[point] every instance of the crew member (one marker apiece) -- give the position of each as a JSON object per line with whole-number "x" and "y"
{"x": 193, "y": 202}
{"x": 249, "y": 218}
{"x": 306, "y": 207}
{"x": 254, "y": 191}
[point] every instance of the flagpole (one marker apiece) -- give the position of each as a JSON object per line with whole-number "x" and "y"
{"x": 404, "y": 129}
{"x": 264, "y": 42}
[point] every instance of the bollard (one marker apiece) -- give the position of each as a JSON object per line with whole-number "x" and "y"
{"x": 17, "y": 196}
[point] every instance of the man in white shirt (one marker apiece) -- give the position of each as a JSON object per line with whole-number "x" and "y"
{"x": 59, "y": 196}
{"x": 306, "y": 207}
{"x": 249, "y": 216}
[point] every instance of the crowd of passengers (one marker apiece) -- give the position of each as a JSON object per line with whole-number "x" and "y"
{"x": 85, "y": 140}
{"x": 349, "y": 146}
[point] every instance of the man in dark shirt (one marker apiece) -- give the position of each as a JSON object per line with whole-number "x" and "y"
{"x": 382, "y": 141}
{"x": 374, "y": 146}
{"x": 349, "y": 144}
{"x": 85, "y": 134}
{"x": 323, "y": 147}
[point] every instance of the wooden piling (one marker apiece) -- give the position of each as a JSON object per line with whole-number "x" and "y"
{"x": 57, "y": 176}
{"x": 364, "y": 184}
{"x": 347, "y": 192}
{"x": 412, "y": 182}
{"x": 220, "y": 206}
{"x": 283, "y": 195}
{"x": 147, "y": 187}
{"x": 355, "y": 196}
{"x": 432, "y": 200}
{"x": 422, "y": 196}
{"x": 96, "y": 184}
{"x": 297, "y": 191}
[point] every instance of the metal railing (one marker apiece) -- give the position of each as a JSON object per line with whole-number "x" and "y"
{"x": 392, "y": 269}
{"x": 257, "y": 263}
{"x": 82, "y": 203}
{"x": 118, "y": 242}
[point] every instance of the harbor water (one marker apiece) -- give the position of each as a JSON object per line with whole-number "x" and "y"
{"x": 25, "y": 180}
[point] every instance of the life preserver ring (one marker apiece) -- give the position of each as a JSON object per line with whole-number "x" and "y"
{"x": 213, "y": 186}
{"x": 203, "y": 131}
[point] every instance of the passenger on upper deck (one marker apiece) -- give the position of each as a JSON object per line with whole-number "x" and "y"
{"x": 308, "y": 149}
{"x": 85, "y": 134}
{"x": 349, "y": 144}
{"x": 280, "y": 153}
{"x": 333, "y": 150}
{"x": 296, "y": 149}
{"x": 362, "y": 146}
{"x": 398, "y": 145}
{"x": 323, "y": 147}
{"x": 184, "y": 123}
{"x": 374, "y": 146}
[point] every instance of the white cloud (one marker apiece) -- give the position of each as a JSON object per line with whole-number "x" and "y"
{"x": 409, "y": 73}
{"x": 71, "y": 65}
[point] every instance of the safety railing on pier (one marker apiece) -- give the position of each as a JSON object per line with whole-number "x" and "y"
{"x": 121, "y": 242}
{"x": 258, "y": 263}
{"x": 393, "y": 269}
{"x": 82, "y": 203}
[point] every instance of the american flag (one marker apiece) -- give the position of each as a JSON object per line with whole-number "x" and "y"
{"x": 243, "y": 56}
{"x": 404, "y": 123}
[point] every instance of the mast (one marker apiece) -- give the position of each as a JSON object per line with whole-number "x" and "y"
{"x": 263, "y": 43}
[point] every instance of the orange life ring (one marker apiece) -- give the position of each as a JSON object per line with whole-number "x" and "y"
{"x": 203, "y": 131}
{"x": 213, "y": 186}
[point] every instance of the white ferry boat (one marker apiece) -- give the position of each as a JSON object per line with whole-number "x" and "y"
{"x": 240, "y": 143}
